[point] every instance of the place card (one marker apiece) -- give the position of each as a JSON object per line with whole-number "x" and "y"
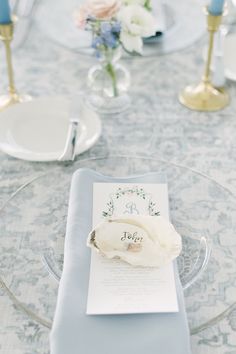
{"x": 119, "y": 288}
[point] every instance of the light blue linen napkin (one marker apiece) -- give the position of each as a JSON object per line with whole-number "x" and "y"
{"x": 73, "y": 331}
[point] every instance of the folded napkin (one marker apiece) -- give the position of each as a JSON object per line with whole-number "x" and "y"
{"x": 159, "y": 12}
{"x": 73, "y": 331}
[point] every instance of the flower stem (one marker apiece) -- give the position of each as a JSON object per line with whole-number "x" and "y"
{"x": 111, "y": 71}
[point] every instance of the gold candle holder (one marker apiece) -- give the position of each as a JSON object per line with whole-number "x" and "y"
{"x": 6, "y": 35}
{"x": 204, "y": 96}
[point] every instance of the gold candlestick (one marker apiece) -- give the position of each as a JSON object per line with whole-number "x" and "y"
{"x": 204, "y": 96}
{"x": 6, "y": 35}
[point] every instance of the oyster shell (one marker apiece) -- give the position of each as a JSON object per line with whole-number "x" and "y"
{"x": 149, "y": 241}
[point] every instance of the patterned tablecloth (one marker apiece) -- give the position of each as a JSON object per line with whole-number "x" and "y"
{"x": 157, "y": 125}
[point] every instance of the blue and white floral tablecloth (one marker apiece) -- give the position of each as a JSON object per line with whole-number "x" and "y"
{"x": 156, "y": 126}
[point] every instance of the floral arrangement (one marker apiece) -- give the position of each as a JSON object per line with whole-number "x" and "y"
{"x": 114, "y": 24}
{"x": 131, "y": 191}
{"x": 117, "y": 22}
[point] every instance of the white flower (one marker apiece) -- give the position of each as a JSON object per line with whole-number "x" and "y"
{"x": 136, "y": 23}
{"x": 131, "y": 43}
{"x": 149, "y": 241}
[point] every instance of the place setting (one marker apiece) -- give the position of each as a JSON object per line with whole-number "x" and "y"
{"x": 108, "y": 245}
{"x": 39, "y": 252}
{"x": 42, "y": 129}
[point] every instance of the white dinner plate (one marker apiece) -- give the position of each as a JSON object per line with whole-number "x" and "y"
{"x": 37, "y": 130}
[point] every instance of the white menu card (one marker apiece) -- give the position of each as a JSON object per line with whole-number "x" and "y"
{"x": 114, "y": 286}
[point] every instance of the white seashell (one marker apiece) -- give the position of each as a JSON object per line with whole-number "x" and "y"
{"x": 149, "y": 241}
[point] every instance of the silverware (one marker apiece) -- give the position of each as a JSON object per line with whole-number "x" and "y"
{"x": 69, "y": 151}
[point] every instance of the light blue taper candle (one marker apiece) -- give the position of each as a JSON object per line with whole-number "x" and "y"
{"x": 5, "y": 13}
{"x": 216, "y": 7}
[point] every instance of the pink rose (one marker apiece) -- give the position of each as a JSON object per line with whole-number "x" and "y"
{"x": 103, "y": 9}
{"x": 81, "y": 16}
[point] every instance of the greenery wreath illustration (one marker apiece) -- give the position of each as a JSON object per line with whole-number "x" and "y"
{"x": 139, "y": 192}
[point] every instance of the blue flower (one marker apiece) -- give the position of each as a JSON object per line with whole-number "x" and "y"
{"x": 105, "y": 28}
{"x": 116, "y": 27}
{"x": 109, "y": 32}
{"x": 97, "y": 42}
{"x": 110, "y": 40}
{"x": 106, "y": 35}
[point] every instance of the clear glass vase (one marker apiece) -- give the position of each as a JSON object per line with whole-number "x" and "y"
{"x": 108, "y": 83}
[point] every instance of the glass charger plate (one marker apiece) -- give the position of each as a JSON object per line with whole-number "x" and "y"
{"x": 185, "y": 24}
{"x": 33, "y": 223}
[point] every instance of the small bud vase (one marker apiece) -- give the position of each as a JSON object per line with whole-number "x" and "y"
{"x": 108, "y": 83}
